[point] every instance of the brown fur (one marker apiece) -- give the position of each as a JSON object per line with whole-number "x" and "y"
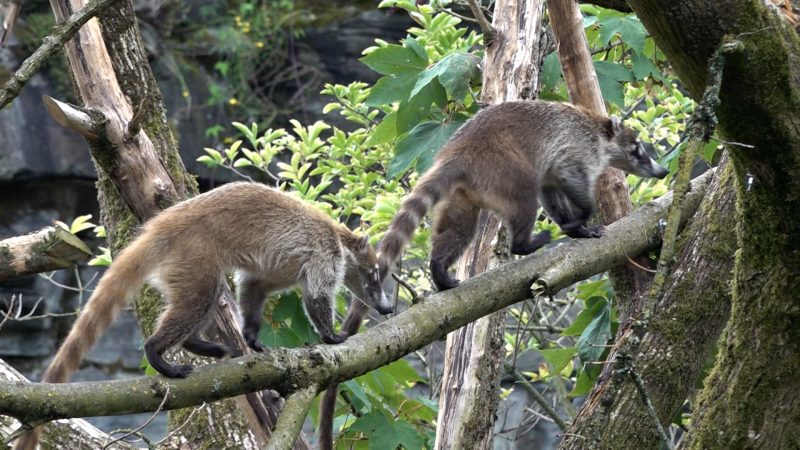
{"x": 273, "y": 239}
{"x": 505, "y": 159}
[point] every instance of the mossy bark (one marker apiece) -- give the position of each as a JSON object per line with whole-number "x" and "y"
{"x": 752, "y": 398}
{"x": 670, "y": 352}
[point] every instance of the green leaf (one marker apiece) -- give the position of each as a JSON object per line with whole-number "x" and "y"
{"x": 583, "y": 384}
{"x": 558, "y": 358}
{"x": 391, "y": 88}
{"x": 384, "y": 132}
{"x": 81, "y": 223}
{"x": 628, "y": 27}
{"x": 402, "y": 372}
{"x": 591, "y": 343}
{"x": 593, "y": 307}
{"x": 454, "y": 72}
{"x": 609, "y": 75}
{"x": 551, "y": 72}
{"x": 420, "y": 146}
{"x": 414, "y": 45}
{"x": 394, "y": 59}
{"x": 359, "y": 396}
{"x": 279, "y": 337}
{"x": 385, "y": 435}
{"x": 410, "y": 113}
{"x": 643, "y": 67}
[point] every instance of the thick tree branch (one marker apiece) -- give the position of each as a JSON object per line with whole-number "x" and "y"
{"x": 74, "y": 434}
{"x": 51, "y": 248}
{"x": 430, "y": 319}
{"x": 49, "y": 47}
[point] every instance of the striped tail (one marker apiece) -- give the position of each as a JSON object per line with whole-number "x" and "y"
{"x": 430, "y": 189}
{"x": 111, "y": 295}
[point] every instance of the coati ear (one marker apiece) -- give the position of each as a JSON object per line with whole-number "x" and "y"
{"x": 613, "y": 126}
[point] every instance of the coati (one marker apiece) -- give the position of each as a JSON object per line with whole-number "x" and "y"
{"x": 507, "y": 158}
{"x": 273, "y": 240}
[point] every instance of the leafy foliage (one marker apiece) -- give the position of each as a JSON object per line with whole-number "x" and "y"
{"x": 429, "y": 84}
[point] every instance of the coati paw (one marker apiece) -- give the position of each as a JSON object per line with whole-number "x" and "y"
{"x": 446, "y": 283}
{"x": 595, "y": 231}
{"x": 255, "y": 344}
{"x": 333, "y": 338}
{"x": 181, "y": 371}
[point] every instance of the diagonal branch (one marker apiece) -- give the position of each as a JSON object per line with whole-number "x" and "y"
{"x": 288, "y": 370}
{"x": 49, "y": 47}
{"x": 293, "y": 414}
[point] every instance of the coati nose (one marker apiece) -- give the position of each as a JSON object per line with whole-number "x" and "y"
{"x": 384, "y": 310}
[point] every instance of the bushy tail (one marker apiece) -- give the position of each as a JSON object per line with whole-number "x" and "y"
{"x": 430, "y": 189}
{"x": 110, "y": 296}
{"x": 327, "y": 406}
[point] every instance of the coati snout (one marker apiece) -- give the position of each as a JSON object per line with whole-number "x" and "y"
{"x": 508, "y": 158}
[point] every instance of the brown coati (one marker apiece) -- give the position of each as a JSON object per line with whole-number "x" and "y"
{"x": 506, "y": 159}
{"x": 273, "y": 241}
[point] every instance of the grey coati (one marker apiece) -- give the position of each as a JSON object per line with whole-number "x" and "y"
{"x": 271, "y": 239}
{"x": 507, "y": 159}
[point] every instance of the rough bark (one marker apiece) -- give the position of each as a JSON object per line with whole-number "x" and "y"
{"x": 611, "y": 195}
{"x": 749, "y": 401}
{"x": 474, "y": 354}
{"x": 292, "y": 370}
{"x": 76, "y": 434}
{"x": 671, "y": 352}
{"x": 140, "y": 173}
{"x": 50, "y": 248}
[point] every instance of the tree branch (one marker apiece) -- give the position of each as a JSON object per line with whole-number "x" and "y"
{"x": 49, "y": 47}
{"x": 50, "y": 248}
{"x": 290, "y": 422}
{"x": 433, "y": 317}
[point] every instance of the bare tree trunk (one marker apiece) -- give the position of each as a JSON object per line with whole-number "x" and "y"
{"x": 50, "y": 248}
{"x": 612, "y": 190}
{"x": 474, "y": 354}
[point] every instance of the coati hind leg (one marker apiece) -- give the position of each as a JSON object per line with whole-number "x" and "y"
{"x": 252, "y": 296}
{"x": 454, "y": 226}
{"x": 519, "y": 217}
{"x": 202, "y": 347}
{"x": 189, "y": 305}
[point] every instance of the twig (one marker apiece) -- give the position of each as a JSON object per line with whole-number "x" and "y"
{"x": 637, "y": 380}
{"x": 179, "y": 427}
{"x": 51, "y": 44}
{"x": 537, "y": 397}
{"x": 488, "y": 30}
{"x": 732, "y": 143}
{"x": 146, "y": 423}
{"x": 639, "y": 265}
{"x": 408, "y": 287}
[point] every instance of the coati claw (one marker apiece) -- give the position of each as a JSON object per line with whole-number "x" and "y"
{"x": 446, "y": 283}
{"x": 181, "y": 371}
{"x": 334, "y": 339}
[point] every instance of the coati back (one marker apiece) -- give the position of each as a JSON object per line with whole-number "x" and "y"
{"x": 273, "y": 240}
{"x": 505, "y": 159}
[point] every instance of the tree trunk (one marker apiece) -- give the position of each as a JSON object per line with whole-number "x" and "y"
{"x": 474, "y": 354}
{"x": 140, "y": 173}
{"x": 611, "y": 195}
{"x": 752, "y": 398}
{"x": 688, "y": 319}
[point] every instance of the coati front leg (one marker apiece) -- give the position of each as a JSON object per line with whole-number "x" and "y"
{"x": 321, "y": 280}
{"x": 190, "y": 300}
{"x": 252, "y": 296}
{"x": 454, "y": 225}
